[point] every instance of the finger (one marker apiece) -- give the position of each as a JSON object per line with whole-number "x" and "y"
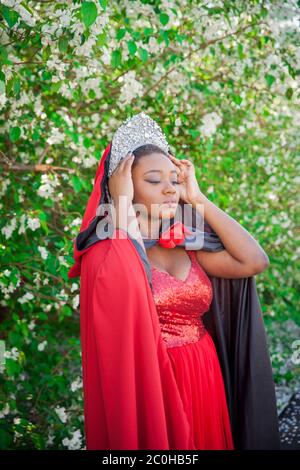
{"x": 130, "y": 158}
{"x": 175, "y": 161}
{"x": 172, "y": 157}
{"x": 128, "y": 163}
{"x": 124, "y": 161}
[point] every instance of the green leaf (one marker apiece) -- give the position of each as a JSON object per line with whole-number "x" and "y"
{"x": 35, "y": 135}
{"x": 116, "y": 58}
{"x": 164, "y": 18}
{"x": 46, "y": 52}
{"x": 240, "y": 51}
{"x": 43, "y": 316}
{"x": 12, "y": 367}
{"x": 16, "y": 85}
{"x": 92, "y": 94}
{"x": 148, "y": 31}
{"x": 2, "y": 86}
{"x": 88, "y": 13}
{"x": 289, "y": 93}
{"x": 64, "y": 272}
{"x": 66, "y": 311}
{"x": 54, "y": 87}
{"x": 101, "y": 39}
{"x": 237, "y": 99}
{"x": 143, "y": 53}
{"x": 6, "y": 439}
{"x": 43, "y": 216}
{"x": 87, "y": 142}
{"x": 76, "y": 183}
{"x": 63, "y": 44}
{"x": 270, "y": 79}
{"x": 44, "y": 226}
{"x": 3, "y": 53}
{"x": 131, "y": 47}
{"x": 103, "y": 4}
{"x": 10, "y": 16}
{"x": 49, "y": 203}
{"x": 120, "y": 33}
{"x": 165, "y": 36}
{"x": 14, "y": 133}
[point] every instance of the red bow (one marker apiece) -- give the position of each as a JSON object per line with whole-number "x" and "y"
{"x": 174, "y": 235}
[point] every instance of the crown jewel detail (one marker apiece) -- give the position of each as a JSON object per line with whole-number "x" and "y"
{"x": 136, "y": 131}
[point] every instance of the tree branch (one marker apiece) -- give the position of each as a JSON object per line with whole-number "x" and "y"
{"x": 36, "y": 168}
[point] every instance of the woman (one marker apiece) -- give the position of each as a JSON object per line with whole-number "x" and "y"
{"x": 151, "y": 374}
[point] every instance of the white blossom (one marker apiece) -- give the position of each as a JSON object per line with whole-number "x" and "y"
{"x": 3, "y": 100}
{"x": 75, "y": 441}
{"x": 32, "y": 325}
{"x": 42, "y": 345}
{"x": 75, "y": 301}
{"x": 48, "y": 185}
{"x": 5, "y": 410}
{"x": 43, "y": 252}
{"x": 77, "y": 221}
{"x": 76, "y": 384}
{"x": 56, "y": 137}
{"x": 14, "y": 354}
{"x": 6, "y": 290}
{"x": 50, "y": 439}
{"x": 61, "y": 413}
{"x": 33, "y": 223}
{"x": 22, "y": 224}
{"x": 210, "y": 123}
{"x": 8, "y": 229}
{"x": 131, "y": 88}
{"x": 25, "y": 298}
{"x": 74, "y": 287}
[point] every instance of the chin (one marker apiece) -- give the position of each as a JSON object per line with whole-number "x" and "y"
{"x": 167, "y": 213}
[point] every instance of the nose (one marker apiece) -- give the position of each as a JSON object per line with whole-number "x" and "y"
{"x": 170, "y": 188}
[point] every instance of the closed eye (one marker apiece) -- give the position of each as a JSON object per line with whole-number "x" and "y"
{"x": 157, "y": 182}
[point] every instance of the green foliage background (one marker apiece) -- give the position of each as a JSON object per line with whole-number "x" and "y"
{"x": 221, "y": 78}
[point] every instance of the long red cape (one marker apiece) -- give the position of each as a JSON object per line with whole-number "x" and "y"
{"x": 131, "y": 400}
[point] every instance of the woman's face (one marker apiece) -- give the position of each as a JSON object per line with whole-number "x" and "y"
{"x": 155, "y": 182}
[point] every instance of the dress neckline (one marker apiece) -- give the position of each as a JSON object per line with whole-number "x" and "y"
{"x": 174, "y": 277}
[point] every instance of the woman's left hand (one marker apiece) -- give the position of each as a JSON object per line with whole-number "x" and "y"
{"x": 189, "y": 188}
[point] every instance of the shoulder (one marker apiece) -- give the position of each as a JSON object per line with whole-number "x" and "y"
{"x": 111, "y": 255}
{"x": 95, "y": 256}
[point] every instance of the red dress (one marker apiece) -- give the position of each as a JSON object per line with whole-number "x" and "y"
{"x": 180, "y": 306}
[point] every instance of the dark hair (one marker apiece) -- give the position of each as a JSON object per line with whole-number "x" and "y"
{"x": 145, "y": 150}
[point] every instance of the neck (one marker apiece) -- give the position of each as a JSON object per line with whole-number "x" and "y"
{"x": 149, "y": 227}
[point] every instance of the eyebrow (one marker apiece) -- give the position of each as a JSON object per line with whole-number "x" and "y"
{"x": 159, "y": 171}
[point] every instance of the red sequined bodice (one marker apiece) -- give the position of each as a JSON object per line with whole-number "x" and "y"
{"x": 181, "y": 304}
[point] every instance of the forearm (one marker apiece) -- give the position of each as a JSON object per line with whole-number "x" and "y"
{"x": 125, "y": 219}
{"x": 237, "y": 240}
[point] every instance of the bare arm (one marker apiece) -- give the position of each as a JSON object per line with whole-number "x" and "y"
{"x": 242, "y": 257}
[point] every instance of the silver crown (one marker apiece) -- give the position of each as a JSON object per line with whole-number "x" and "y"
{"x": 137, "y": 130}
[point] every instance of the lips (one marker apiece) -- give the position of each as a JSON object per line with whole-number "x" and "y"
{"x": 170, "y": 201}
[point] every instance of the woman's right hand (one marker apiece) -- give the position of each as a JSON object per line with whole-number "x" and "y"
{"x": 120, "y": 182}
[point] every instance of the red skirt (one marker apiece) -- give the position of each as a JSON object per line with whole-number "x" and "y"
{"x": 200, "y": 382}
